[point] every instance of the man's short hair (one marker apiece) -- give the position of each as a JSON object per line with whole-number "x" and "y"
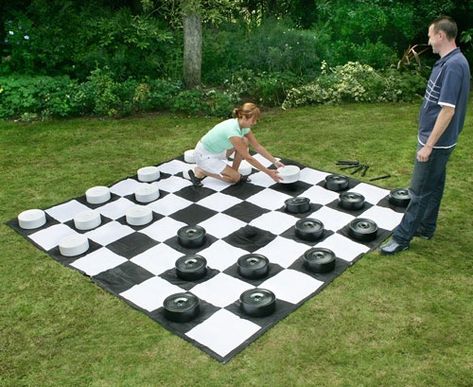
{"x": 447, "y": 25}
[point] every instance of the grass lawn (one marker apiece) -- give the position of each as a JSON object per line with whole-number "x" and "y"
{"x": 404, "y": 320}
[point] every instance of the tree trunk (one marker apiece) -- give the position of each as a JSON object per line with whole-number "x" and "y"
{"x": 192, "y": 50}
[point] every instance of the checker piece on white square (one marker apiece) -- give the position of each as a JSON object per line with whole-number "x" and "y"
{"x": 223, "y": 332}
{"x": 98, "y": 261}
{"x": 275, "y": 222}
{"x": 219, "y": 201}
{"x": 221, "y": 290}
{"x": 269, "y": 199}
{"x": 66, "y": 211}
{"x": 50, "y": 237}
{"x": 221, "y": 225}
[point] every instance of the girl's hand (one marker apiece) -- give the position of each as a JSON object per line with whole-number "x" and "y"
{"x": 273, "y": 174}
{"x": 278, "y": 164}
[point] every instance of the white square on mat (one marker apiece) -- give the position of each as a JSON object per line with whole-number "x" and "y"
{"x": 291, "y": 285}
{"x": 266, "y": 163}
{"x": 125, "y": 187}
{"x": 220, "y": 255}
{"x": 173, "y": 184}
{"x": 174, "y": 166}
{"x": 223, "y": 332}
{"x": 98, "y": 261}
{"x": 66, "y": 211}
{"x": 151, "y": 293}
{"x": 169, "y": 204}
{"x": 312, "y": 176}
{"x": 275, "y": 222}
{"x": 343, "y": 247}
{"x": 383, "y": 217}
{"x": 332, "y": 219}
{"x": 221, "y": 290}
{"x": 50, "y": 237}
{"x": 116, "y": 209}
{"x": 221, "y": 225}
{"x": 320, "y": 195}
{"x": 371, "y": 193}
{"x": 261, "y": 179}
{"x": 215, "y": 184}
{"x": 219, "y": 201}
{"x": 163, "y": 229}
{"x": 157, "y": 259}
{"x": 109, "y": 232}
{"x": 283, "y": 251}
{"x": 269, "y": 199}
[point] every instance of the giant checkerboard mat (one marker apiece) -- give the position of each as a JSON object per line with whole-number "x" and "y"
{"x": 137, "y": 264}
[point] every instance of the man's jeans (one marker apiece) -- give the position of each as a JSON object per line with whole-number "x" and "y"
{"x": 427, "y": 185}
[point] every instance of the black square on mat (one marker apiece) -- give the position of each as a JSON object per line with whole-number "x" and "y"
{"x": 293, "y": 189}
{"x": 83, "y": 200}
{"x": 336, "y": 206}
{"x": 291, "y": 234}
{"x": 282, "y": 309}
{"x": 14, "y": 224}
{"x": 384, "y": 202}
{"x": 194, "y": 194}
{"x": 242, "y": 191}
{"x": 174, "y": 243}
{"x": 245, "y": 211}
{"x": 381, "y": 235}
{"x": 171, "y": 276}
{"x": 274, "y": 269}
{"x": 56, "y": 254}
{"x": 193, "y": 214}
{"x": 249, "y": 238}
{"x": 103, "y": 220}
{"x": 122, "y": 277}
{"x": 340, "y": 266}
{"x": 132, "y": 245}
{"x": 156, "y": 217}
{"x": 351, "y": 184}
{"x": 206, "y": 310}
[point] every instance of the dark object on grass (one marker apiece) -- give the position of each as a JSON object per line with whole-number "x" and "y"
{"x": 363, "y": 229}
{"x": 253, "y": 266}
{"x": 309, "y": 229}
{"x": 297, "y": 205}
{"x": 399, "y": 197}
{"x": 258, "y": 302}
{"x": 191, "y": 267}
{"x": 350, "y": 166}
{"x": 380, "y": 177}
{"x": 360, "y": 167}
{"x": 348, "y": 162}
{"x": 351, "y": 200}
{"x": 191, "y": 236}
{"x": 365, "y": 168}
{"x": 319, "y": 260}
{"x": 181, "y": 307}
{"x": 336, "y": 182}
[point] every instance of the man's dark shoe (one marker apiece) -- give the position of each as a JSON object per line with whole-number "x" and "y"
{"x": 422, "y": 235}
{"x": 392, "y": 247}
{"x": 196, "y": 182}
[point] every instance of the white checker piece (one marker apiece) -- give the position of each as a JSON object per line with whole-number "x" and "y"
{"x": 291, "y": 285}
{"x": 169, "y": 204}
{"x": 219, "y": 201}
{"x": 320, "y": 195}
{"x": 223, "y": 331}
{"x": 332, "y": 219}
{"x": 174, "y": 166}
{"x": 343, "y": 247}
{"x": 98, "y": 261}
{"x": 109, "y": 232}
{"x": 116, "y": 209}
{"x": 220, "y": 255}
{"x": 221, "y": 290}
{"x": 151, "y": 293}
{"x": 269, "y": 199}
{"x": 51, "y": 236}
{"x": 383, "y": 217}
{"x": 221, "y": 225}
{"x": 275, "y": 222}
{"x": 215, "y": 184}
{"x": 173, "y": 184}
{"x": 125, "y": 187}
{"x": 312, "y": 176}
{"x": 283, "y": 251}
{"x": 157, "y": 259}
{"x": 163, "y": 229}
{"x": 371, "y": 193}
{"x": 261, "y": 179}
{"x": 66, "y": 211}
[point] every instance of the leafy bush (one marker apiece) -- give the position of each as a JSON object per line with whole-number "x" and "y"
{"x": 354, "y": 82}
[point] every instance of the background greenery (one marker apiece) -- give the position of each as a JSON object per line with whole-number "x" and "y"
{"x": 400, "y": 321}
{"x": 69, "y": 58}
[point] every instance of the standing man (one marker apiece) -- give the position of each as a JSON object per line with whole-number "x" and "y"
{"x": 440, "y": 122}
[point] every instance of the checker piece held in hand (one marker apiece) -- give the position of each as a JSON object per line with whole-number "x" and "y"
{"x": 232, "y": 135}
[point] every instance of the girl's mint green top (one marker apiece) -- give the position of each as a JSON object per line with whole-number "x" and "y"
{"x": 217, "y": 139}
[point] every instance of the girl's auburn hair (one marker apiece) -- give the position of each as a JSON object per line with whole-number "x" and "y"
{"x": 247, "y": 110}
